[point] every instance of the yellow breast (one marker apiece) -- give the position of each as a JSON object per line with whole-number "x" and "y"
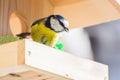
{"x": 40, "y": 33}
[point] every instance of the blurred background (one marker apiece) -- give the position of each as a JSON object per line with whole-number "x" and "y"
{"x": 105, "y": 42}
{"x": 99, "y": 42}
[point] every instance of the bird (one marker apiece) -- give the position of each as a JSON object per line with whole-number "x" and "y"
{"x": 47, "y": 30}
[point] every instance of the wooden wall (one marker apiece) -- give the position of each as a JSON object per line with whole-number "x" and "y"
{"x": 115, "y": 4}
{"x": 88, "y": 12}
{"x": 31, "y": 9}
{"x": 80, "y": 14}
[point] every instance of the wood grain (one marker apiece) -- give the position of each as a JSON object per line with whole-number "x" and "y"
{"x": 21, "y": 52}
{"x": 8, "y": 55}
{"x": 115, "y": 4}
{"x": 25, "y": 72}
{"x": 31, "y": 9}
{"x": 18, "y": 23}
{"x": 57, "y": 3}
{"x": 88, "y": 12}
{"x": 12, "y": 54}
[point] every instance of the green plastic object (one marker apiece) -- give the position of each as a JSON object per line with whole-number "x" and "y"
{"x": 59, "y": 45}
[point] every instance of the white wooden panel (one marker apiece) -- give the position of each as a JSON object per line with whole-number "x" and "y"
{"x": 62, "y": 63}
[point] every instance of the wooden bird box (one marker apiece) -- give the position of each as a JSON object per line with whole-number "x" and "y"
{"x": 28, "y": 52}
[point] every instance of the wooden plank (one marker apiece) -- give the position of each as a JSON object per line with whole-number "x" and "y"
{"x": 115, "y": 4}
{"x": 28, "y": 73}
{"x": 12, "y": 54}
{"x": 51, "y": 60}
{"x": 21, "y": 52}
{"x": 57, "y": 3}
{"x": 88, "y": 12}
{"x": 8, "y": 55}
{"x": 62, "y": 63}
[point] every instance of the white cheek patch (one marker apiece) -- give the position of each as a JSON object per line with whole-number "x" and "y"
{"x": 56, "y": 25}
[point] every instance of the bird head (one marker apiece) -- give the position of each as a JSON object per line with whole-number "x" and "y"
{"x": 57, "y": 23}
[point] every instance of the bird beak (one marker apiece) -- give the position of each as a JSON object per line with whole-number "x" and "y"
{"x": 66, "y": 29}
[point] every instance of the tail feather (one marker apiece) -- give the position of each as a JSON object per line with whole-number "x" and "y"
{"x": 23, "y": 35}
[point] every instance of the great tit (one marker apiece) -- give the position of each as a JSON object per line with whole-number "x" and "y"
{"x": 46, "y": 30}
